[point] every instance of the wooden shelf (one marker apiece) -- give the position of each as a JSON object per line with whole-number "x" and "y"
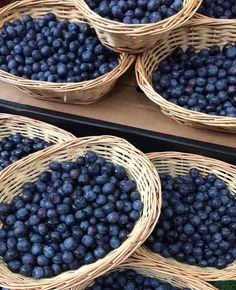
{"x": 125, "y": 106}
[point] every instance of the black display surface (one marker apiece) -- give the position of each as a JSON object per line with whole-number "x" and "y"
{"x": 145, "y": 140}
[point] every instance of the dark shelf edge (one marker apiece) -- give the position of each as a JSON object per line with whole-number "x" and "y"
{"x": 145, "y": 140}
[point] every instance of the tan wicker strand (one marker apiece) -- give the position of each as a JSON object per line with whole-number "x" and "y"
{"x": 199, "y": 36}
{"x": 135, "y": 38}
{"x": 12, "y": 124}
{"x": 176, "y": 163}
{"x": 147, "y": 268}
{"x": 85, "y": 92}
{"x": 113, "y": 149}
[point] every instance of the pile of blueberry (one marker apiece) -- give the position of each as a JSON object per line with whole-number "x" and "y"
{"x": 17, "y": 146}
{"x": 203, "y": 81}
{"x": 222, "y": 9}
{"x": 198, "y": 221}
{"x": 46, "y": 49}
{"x": 136, "y": 11}
{"x": 74, "y": 214}
{"x": 129, "y": 280}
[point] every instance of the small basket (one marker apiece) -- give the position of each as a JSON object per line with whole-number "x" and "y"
{"x": 176, "y": 163}
{"x": 135, "y": 38}
{"x": 12, "y": 124}
{"x": 188, "y": 35}
{"x": 85, "y": 92}
{"x": 113, "y": 149}
{"x": 148, "y": 269}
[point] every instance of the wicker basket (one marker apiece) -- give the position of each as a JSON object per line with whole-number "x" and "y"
{"x": 176, "y": 163}
{"x": 113, "y": 149}
{"x": 188, "y": 35}
{"x": 85, "y": 92}
{"x": 166, "y": 275}
{"x": 135, "y": 38}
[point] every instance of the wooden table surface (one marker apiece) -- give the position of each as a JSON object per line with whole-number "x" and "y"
{"x": 126, "y": 106}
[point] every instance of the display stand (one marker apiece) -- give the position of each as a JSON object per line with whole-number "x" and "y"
{"x": 125, "y": 112}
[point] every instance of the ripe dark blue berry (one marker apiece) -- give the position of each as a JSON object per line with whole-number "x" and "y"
{"x": 218, "y": 9}
{"x": 15, "y": 147}
{"x": 136, "y": 12}
{"x": 129, "y": 280}
{"x": 73, "y": 214}
{"x": 192, "y": 230}
{"x": 53, "y": 51}
{"x": 199, "y": 81}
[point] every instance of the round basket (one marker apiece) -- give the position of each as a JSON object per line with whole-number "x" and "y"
{"x": 149, "y": 269}
{"x": 188, "y": 35}
{"x": 85, "y": 92}
{"x": 113, "y": 149}
{"x": 135, "y": 38}
{"x": 176, "y": 163}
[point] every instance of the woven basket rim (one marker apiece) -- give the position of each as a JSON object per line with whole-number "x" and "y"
{"x": 69, "y": 277}
{"x": 123, "y": 59}
{"x": 42, "y": 124}
{"x": 205, "y": 273}
{"x": 123, "y": 25}
{"x": 145, "y": 84}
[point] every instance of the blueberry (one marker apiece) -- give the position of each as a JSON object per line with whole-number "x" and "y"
{"x": 87, "y": 240}
{"x": 48, "y": 252}
{"x": 70, "y": 244}
{"x": 61, "y": 70}
{"x": 42, "y": 261}
{"x": 67, "y": 257}
{"x": 137, "y": 205}
{"x": 23, "y": 245}
{"x": 38, "y": 273}
{"x": 113, "y": 217}
{"x": 115, "y": 242}
{"x": 26, "y": 270}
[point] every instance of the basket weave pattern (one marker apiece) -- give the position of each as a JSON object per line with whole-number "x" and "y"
{"x": 176, "y": 163}
{"x": 149, "y": 269}
{"x": 135, "y": 38}
{"x": 199, "y": 36}
{"x": 12, "y": 124}
{"x": 113, "y": 149}
{"x": 85, "y": 92}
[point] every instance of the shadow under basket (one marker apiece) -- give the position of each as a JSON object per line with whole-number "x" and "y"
{"x": 135, "y": 38}
{"x": 86, "y": 92}
{"x": 166, "y": 275}
{"x": 113, "y": 149}
{"x": 197, "y": 35}
{"x": 174, "y": 164}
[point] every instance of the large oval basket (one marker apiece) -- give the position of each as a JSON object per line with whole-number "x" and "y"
{"x": 211, "y": 33}
{"x": 85, "y": 92}
{"x": 135, "y": 38}
{"x": 112, "y": 149}
{"x": 176, "y": 163}
{"x": 165, "y": 275}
